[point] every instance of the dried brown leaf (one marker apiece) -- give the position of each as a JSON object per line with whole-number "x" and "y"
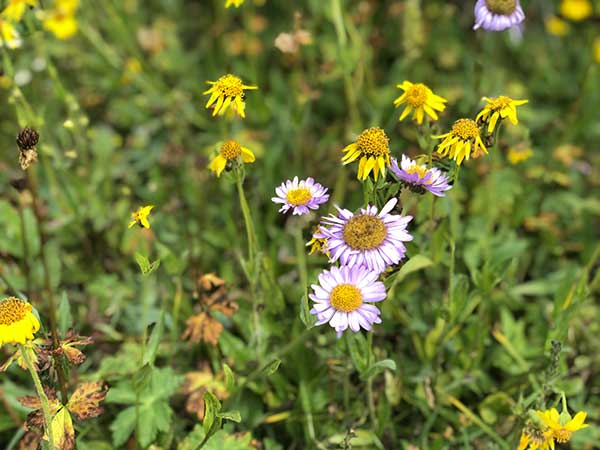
{"x": 85, "y": 401}
{"x": 202, "y": 327}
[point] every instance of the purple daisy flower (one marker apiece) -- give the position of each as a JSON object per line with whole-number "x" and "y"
{"x": 343, "y": 298}
{"x": 300, "y": 195}
{"x": 368, "y": 238}
{"x": 417, "y": 175}
{"x": 498, "y": 15}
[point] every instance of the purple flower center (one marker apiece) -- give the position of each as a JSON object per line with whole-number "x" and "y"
{"x": 346, "y": 298}
{"x": 503, "y": 7}
{"x": 364, "y": 232}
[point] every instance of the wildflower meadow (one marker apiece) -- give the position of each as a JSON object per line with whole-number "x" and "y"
{"x": 319, "y": 224}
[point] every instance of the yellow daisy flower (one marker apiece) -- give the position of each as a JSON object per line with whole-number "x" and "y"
{"x": 15, "y": 9}
{"x": 235, "y": 3}
{"x": 230, "y": 151}
{"x": 18, "y": 323}
{"x": 562, "y": 425}
{"x": 227, "y": 91}
{"x": 420, "y": 99}
{"x": 556, "y": 26}
{"x": 372, "y": 146}
{"x": 61, "y": 20}
{"x": 141, "y": 217}
{"x": 9, "y": 35}
{"x": 576, "y": 10}
{"x": 499, "y": 108}
{"x": 462, "y": 141}
{"x": 534, "y": 439}
{"x": 519, "y": 154}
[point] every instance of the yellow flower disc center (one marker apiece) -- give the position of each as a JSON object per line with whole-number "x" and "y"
{"x": 419, "y": 170}
{"x": 504, "y": 7}
{"x": 416, "y": 95}
{"x": 465, "y": 129}
{"x": 499, "y": 103}
{"x": 231, "y": 150}
{"x": 563, "y": 435}
{"x": 373, "y": 142}
{"x": 364, "y": 232}
{"x": 13, "y": 310}
{"x": 230, "y": 86}
{"x": 346, "y": 298}
{"x": 300, "y": 196}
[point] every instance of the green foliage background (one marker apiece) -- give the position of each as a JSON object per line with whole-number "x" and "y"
{"x": 510, "y": 265}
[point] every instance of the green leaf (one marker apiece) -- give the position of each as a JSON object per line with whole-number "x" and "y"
{"x": 154, "y": 341}
{"x": 142, "y": 378}
{"x": 212, "y": 406}
{"x": 305, "y": 316}
{"x": 380, "y": 366}
{"x": 357, "y": 347}
{"x": 229, "y": 377}
{"x": 145, "y": 266}
{"x": 219, "y": 441}
{"x": 272, "y": 367}
{"x": 414, "y": 264}
{"x": 234, "y": 416}
{"x": 123, "y": 426}
{"x": 65, "y": 319}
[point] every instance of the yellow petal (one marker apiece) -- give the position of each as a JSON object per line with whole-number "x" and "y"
{"x": 247, "y": 155}
{"x": 577, "y": 422}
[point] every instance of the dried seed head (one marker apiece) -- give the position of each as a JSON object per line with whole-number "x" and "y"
{"x": 27, "y": 139}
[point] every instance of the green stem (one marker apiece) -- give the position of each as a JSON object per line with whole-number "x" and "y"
{"x": 37, "y": 211}
{"x": 41, "y": 395}
{"x": 25, "y": 241}
{"x": 249, "y": 223}
{"x": 301, "y": 256}
{"x": 370, "y": 398}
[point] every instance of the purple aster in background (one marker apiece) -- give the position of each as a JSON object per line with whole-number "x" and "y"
{"x": 498, "y": 15}
{"x": 343, "y": 298}
{"x": 419, "y": 176}
{"x": 368, "y": 238}
{"x": 300, "y": 195}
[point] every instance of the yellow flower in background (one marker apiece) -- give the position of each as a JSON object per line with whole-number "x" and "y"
{"x": 15, "y": 9}
{"x": 534, "y": 439}
{"x": 317, "y": 244}
{"x": 462, "y": 142}
{"x": 227, "y": 91}
{"x": 230, "y": 151}
{"x": 499, "y": 108}
{"x": 597, "y": 50}
{"x": 9, "y": 36}
{"x": 420, "y": 99}
{"x": 235, "y": 3}
{"x": 18, "y": 323}
{"x": 562, "y": 425}
{"x": 141, "y": 217}
{"x": 60, "y": 20}
{"x": 576, "y": 10}
{"x": 372, "y": 146}
{"x": 519, "y": 154}
{"x": 556, "y": 26}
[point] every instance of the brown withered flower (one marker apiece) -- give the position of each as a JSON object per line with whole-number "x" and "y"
{"x": 197, "y": 383}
